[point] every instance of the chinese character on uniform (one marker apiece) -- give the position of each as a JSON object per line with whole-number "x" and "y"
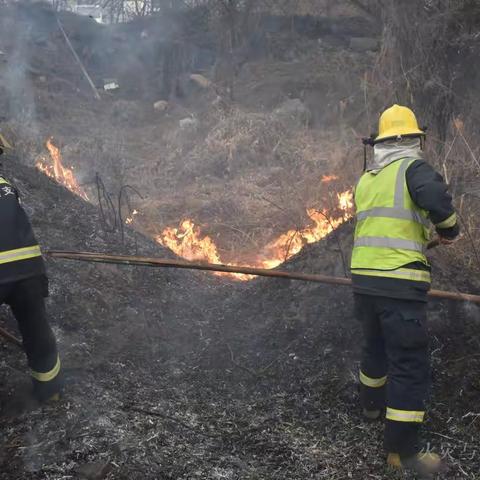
{"x": 8, "y": 191}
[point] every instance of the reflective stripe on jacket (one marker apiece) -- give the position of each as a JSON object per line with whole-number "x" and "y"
{"x": 20, "y": 255}
{"x": 391, "y": 231}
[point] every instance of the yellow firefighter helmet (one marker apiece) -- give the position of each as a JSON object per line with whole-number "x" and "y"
{"x": 398, "y": 121}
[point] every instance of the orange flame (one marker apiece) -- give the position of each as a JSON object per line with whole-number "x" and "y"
{"x": 328, "y": 178}
{"x": 58, "y": 172}
{"x": 187, "y": 241}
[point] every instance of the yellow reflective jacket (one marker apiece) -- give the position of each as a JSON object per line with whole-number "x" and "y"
{"x": 391, "y": 231}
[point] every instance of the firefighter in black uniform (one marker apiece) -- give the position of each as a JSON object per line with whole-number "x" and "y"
{"x": 24, "y": 286}
{"x": 397, "y": 199}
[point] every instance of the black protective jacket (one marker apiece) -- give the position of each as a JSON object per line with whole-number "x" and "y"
{"x": 429, "y": 192}
{"x": 20, "y": 256}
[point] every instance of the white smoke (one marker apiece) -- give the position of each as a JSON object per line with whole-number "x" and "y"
{"x": 17, "y": 83}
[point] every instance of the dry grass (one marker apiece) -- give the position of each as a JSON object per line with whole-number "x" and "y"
{"x": 431, "y": 69}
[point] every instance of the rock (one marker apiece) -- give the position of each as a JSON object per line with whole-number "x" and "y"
{"x": 94, "y": 471}
{"x": 200, "y": 80}
{"x": 364, "y": 44}
{"x": 294, "y": 109}
{"x": 161, "y": 106}
{"x": 188, "y": 124}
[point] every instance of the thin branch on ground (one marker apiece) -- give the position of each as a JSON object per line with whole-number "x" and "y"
{"x": 236, "y": 364}
{"x": 132, "y": 408}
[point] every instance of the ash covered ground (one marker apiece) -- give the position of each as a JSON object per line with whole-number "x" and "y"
{"x": 182, "y": 375}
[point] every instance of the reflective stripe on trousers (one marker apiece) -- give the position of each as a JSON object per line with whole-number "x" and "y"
{"x": 20, "y": 254}
{"x": 47, "y": 376}
{"x": 372, "y": 382}
{"x": 404, "y": 415}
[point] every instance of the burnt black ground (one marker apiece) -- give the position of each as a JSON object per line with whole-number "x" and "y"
{"x": 182, "y": 375}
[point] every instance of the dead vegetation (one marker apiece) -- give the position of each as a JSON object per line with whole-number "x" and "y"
{"x": 245, "y": 170}
{"x": 430, "y": 67}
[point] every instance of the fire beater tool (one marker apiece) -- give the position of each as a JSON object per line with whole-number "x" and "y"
{"x": 167, "y": 263}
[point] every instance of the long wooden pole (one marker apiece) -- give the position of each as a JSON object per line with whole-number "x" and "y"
{"x": 166, "y": 263}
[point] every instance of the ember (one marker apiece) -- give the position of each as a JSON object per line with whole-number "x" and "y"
{"x": 57, "y": 171}
{"x": 188, "y": 242}
{"x": 129, "y": 220}
{"x": 328, "y": 178}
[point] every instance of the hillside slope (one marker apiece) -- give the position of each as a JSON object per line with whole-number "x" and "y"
{"x": 298, "y": 96}
{"x": 182, "y": 375}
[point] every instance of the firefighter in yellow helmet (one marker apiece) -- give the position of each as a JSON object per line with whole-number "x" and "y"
{"x": 397, "y": 198}
{"x": 24, "y": 286}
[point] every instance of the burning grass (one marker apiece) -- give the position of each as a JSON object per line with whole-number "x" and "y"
{"x": 271, "y": 166}
{"x": 188, "y": 242}
{"x": 58, "y": 171}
